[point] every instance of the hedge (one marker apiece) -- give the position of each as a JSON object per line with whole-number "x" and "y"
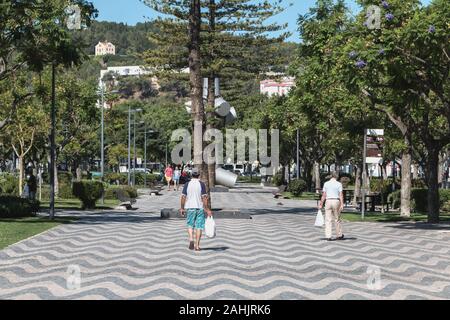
{"x": 277, "y": 180}
{"x": 9, "y": 184}
{"x": 15, "y": 207}
{"x": 122, "y": 178}
{"x": 130, "y": 192}
{"x": 297, "y": 187}
{"x": 419, "y": 202}
{"x": 88, "y": 192}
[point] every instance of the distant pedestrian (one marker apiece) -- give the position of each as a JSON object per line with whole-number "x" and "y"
{"x": 194, "y": 203}
{"x": 333, "y": 197}
{"x": 168, "y": 173}
{"x": 32, "y": 186}
{"x": 176, "y": 178}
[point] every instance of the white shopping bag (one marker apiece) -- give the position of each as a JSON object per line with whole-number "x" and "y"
{"x": 210, "y": 227}
{"x": 319, "y": 219}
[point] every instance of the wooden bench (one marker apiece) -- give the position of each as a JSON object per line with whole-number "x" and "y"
{"x": 125, "y": 201}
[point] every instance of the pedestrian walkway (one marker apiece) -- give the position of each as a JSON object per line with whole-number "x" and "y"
{"x": 276, "y": 255}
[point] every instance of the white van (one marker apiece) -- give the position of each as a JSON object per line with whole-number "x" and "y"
{"x": 239, "y": 169}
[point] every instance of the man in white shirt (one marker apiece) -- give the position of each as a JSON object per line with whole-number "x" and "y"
{"x": 333, "y": 195}
{"x": 194, "y": 202}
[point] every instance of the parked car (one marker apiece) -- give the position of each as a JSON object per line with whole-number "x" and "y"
{"x": 239, "y": 169}
{"x": 141, "y": 170}
{"x": 228, "y": 167}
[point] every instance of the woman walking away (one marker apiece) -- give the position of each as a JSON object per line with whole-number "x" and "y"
{"x": 169, "y": 175}
{"x": 176, "y": 178}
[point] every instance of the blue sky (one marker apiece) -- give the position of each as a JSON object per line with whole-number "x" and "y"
{"x": 133, "y": 11}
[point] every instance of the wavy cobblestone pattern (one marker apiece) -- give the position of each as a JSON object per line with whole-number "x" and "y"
{"x": 277, "y": 255}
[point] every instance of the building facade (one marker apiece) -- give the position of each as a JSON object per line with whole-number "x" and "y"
{"x": 104, "y": 48}
{"x": 277, "y": 87}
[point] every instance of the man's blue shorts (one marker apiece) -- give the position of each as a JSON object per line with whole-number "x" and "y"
{"x": 196, "y": 219}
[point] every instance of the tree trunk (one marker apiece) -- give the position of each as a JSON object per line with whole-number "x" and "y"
{"x": 415, "y": 171}
{"x": 308, "y": 174}
{"x": 195, "y": 77}
{"x": 283, "y": 174}
{"x": 56, "y": 181}
{"x": 433, "y": 186}
{"x": 384, "y": 171}
{"x": 441, "y": 169}
{"x": 357, "y": 185}
{"x": 405, "y": 206}
{"x": 317, "y": 175}
{"x": 210, "y": 117}
{"x": 21, "y": 175}
{"x": 79, "y": 174}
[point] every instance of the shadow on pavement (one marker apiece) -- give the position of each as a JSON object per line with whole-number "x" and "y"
{"x": 421, "y": 226}
{"x": 256, "y": 212}
{"x": 216, "y": 249}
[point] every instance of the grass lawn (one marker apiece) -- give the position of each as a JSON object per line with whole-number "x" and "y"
{"x": 13, "y": 230}
{"x": 389, "y": 217}
{"x": 75, "y": 204}
{"x": 247, "y": 179}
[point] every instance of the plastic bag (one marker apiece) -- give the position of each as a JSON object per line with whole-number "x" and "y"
{"x": 319, "y": 219}
{"x": 210, "y": 227}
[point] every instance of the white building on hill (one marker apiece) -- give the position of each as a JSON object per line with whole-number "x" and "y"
{"x": 104, "y": 48}
{"x": 277, "y": 87}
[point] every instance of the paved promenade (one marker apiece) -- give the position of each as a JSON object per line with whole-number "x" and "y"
{"x": 278, "y": 254}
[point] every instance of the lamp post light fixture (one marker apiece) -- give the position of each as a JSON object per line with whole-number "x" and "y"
{"x": 101, "y": 92}
{"x": 146, "y": 132}
{"x": 131, "y": 111}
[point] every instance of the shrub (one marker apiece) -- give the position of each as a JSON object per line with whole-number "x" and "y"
{"x": 277, "y": 180}
{"x": 65, "y": 178}
{"x": 15, "y": 207}
{"x": 345, "y": 181}
{"x": 419, "y": 201}
{"x": 444, "y": 196}
{"x": 114, "y": 177}
{"x": 395, "y": 199}
{"x": 130, "y": 192}
{"x": 418, "y": 184}
{"x": 347, "y": 177}
{"x": 297, "y": 187}
{"x": 381, "y": 186}
{"x": 9, "y": 184}
{"x": 65, "y": 191}
{"x": 88, "y": 192}
{"x": 140, "y": 179}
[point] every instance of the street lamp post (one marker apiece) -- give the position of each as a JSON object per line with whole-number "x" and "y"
{"x": 129, "y": 145}
{"x": 102, "y": 134}
{"x": 364, "y": 177}
{"x": 102, "y": 143}
{"x": 130, "y": 111}
{"x": 146, "y": 132}
{"x": 298, "y": 154}
{"x": 53, "y": 144}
